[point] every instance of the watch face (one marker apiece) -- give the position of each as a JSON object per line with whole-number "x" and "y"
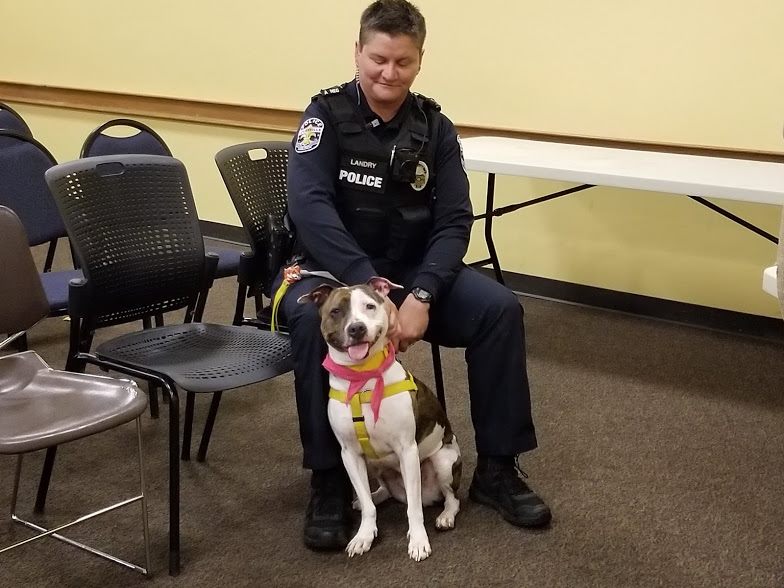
{"x": 422, "y": 295}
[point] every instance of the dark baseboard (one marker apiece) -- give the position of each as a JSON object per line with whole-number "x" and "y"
{"x": 717, "y": 319}
{"x": 706, "y": 317}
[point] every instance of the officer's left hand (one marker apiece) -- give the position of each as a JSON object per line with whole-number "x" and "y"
{"x": 413, "y": 317}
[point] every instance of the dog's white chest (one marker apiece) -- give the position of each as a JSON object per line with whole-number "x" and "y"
{"x": 395, "y": 427}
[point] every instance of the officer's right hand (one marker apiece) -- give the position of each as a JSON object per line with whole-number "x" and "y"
{"x": 412, "y": 320}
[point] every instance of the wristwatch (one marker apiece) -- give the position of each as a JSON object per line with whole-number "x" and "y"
{"x": 422, "y": 295}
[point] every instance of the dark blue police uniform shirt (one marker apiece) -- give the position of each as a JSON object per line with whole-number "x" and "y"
{"x": 312, "y": 184}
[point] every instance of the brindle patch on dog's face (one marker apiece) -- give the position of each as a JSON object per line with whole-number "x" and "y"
{"x": 355, "y": 305}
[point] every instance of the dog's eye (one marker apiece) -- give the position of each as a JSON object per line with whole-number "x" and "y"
{"x": 335, "y": 312}
{"x": 370, "y": 306}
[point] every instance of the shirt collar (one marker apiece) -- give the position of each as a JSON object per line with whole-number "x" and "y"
{"x": 355, "y": 91}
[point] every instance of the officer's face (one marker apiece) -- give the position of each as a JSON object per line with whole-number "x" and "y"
{"x": 387, "y": 68}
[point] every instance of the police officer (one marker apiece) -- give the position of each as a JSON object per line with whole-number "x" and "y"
{"x": 377, "y": 187}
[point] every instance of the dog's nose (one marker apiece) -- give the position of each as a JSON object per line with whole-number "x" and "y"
{"x": 356, "y": 330}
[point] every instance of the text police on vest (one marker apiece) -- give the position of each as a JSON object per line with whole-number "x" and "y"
{"x": 360, "y": 179}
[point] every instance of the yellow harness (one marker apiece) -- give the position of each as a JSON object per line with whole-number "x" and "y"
{"x": 364, "y": 397}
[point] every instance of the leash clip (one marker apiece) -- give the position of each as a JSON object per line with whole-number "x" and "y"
{"x": 292, "y": 274}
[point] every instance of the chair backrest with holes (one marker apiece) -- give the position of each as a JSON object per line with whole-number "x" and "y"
{"x": 132, "y": 222}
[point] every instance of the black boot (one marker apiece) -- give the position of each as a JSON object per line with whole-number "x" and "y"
{"x": 497, "y": 484}
{"x": 328, "y": 518}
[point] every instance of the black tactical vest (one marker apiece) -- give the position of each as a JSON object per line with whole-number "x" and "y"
{"x": 385, "y": 194}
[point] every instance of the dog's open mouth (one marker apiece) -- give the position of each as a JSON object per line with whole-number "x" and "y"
{"x": 359, "y": 351}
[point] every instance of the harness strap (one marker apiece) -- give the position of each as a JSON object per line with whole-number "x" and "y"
{"x": 364, "y": 397}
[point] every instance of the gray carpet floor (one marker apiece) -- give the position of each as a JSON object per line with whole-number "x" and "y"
{"x": 660, "y": 454}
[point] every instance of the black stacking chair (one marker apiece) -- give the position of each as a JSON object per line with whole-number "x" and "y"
{"x": 41, "y": 407}
{"x": 255, "y": 177}
{"x": 23, "y": 161}
{"x": 133, "y": 225}
{"x": 10, "y": 120}
{"x": 145, "y": 141}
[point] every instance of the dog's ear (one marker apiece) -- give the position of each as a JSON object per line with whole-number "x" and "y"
{"x": 382, "y": 285}
{"x": 319, "y": 295}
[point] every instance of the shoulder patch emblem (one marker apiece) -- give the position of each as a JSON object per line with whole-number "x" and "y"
{"x": 422, "y": 176}
{"x": 309, "y": 135}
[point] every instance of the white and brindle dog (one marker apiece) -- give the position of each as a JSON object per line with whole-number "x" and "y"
{"x": 404, "y": 442}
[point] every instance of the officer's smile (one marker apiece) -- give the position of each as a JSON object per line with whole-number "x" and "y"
{"x": 387, "y": 66}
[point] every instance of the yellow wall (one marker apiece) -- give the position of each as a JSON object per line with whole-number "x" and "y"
{"x": 684, "y": 71}
{"x": 690, "y": 72}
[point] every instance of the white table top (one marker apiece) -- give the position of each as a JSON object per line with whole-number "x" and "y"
{"x": 674, "y": 173}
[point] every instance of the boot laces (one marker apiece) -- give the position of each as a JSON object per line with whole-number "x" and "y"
{"x": 512, "y": 477}
{"x": 518, "y": 468}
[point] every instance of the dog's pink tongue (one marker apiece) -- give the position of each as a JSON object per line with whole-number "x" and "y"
{"x": 357, "y": 352}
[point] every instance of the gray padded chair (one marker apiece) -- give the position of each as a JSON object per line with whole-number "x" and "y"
{"x": 41, "y": 407}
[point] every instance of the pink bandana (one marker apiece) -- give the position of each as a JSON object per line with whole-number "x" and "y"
{"x": 357, "y": 378}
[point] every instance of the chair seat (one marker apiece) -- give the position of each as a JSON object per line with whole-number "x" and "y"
{"x": 41, "y": 407}
{"x": 769, "y": 281}
{"x": 202, "y": 357}
{"x": 228, "y": 262}
{"x": 56, "y": 288}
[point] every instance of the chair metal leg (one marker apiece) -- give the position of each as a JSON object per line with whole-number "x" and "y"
{"x": 239, "y": 306}
{"x": 43, "y": 532}
{"x": 205, "y": 437}
{"x": 152, "y": 395}
{"x": 439, "y": 375}
{"x": 152, "y": 389}
{"x": 17, "y": 477}
{"x": 174, "y": 482}
{"x": 187, "y": 429}
{"x": 142, "y": 486}
{"x": 50, "y": 255}
{"x": 159, "y": 323}
{"x": 258, "y": 302}
{"x": 46, "y": 476}
{"x": 174, "y": 452}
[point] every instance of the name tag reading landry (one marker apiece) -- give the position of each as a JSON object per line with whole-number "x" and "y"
{"x": 360, "y": 173}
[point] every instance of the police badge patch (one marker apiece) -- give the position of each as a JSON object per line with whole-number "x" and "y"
{"x": 309, "y": 135}
{"x": 422, "y": 176}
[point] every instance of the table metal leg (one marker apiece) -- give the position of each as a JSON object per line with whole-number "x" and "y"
{"x": 489, "y": 206}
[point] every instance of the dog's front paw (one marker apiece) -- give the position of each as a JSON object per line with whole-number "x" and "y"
{"x": 445, "y": 521}
{"x": 362, "y": 541}
{"x": 418, "y": 545}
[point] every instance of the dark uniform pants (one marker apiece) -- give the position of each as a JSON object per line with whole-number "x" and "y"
{"x": 476, "y": 313}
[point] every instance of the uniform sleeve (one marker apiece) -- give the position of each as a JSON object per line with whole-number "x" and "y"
{"x": 311, "y": 197}
{"x": 452, "y": 216}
